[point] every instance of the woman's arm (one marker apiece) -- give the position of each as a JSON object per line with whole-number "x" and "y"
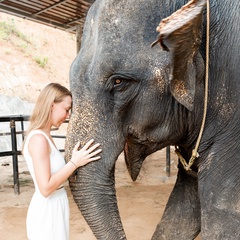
{"x": 40, "y": 150}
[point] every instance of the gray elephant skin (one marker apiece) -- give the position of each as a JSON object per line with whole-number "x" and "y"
{"x": 134, "y": 97}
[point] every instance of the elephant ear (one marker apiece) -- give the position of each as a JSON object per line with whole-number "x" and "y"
{"x": 181, "y": 34}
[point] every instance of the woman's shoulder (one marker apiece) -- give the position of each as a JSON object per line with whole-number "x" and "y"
{"x": 38, "y": 140}
{"x": 36, "y": 131}
{"x": 37, "y": 137}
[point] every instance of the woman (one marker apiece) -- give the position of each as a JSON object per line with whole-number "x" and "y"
{"x": 48, "y": 212}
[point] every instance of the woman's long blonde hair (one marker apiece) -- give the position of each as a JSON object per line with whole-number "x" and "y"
{"x": 52, "y": 93}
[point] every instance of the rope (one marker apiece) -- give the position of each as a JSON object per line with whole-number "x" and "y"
{"x": 187, "y": 166}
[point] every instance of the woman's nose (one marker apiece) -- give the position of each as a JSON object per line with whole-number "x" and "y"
{"x": 68, "y": 115}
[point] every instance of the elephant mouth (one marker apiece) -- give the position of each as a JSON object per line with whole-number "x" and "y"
{"x": 136, "y": 149}
{"x": 134, "y": 155}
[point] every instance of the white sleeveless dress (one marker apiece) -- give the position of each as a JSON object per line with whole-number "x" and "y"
{"x": 47, "y": 218}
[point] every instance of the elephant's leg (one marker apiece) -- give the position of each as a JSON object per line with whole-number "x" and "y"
{"x": 181, "y": 219}
{"x": 219, "y": 191}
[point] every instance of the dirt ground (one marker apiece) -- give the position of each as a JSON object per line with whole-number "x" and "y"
{"x": 141, "y": 203}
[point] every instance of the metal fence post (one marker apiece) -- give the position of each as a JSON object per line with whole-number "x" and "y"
{"x": 22, "y": 129}
{"x": 168, "y": 161}
{"x": 14, "y": 157}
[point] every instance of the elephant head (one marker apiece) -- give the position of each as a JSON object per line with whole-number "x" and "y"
{"x": 132, "y": 97}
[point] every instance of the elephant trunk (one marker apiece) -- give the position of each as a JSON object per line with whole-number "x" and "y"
{"x": 98, "y": 204}
{"x": 93, "y": 185}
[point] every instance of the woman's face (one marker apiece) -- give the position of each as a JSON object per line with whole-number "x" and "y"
{"x": 61, "y": 111}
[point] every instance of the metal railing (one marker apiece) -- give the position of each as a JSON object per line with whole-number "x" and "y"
{"x": 15, "y": 152}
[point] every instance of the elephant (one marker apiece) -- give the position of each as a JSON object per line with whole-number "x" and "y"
{"x": 138, "y": 86}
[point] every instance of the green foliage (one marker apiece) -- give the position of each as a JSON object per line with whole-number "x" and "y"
{"x": 8, "y": 28}
{"x": 10, "y": 33}
{"x": 42, "y": 61}
{"x": 23, "y": 47}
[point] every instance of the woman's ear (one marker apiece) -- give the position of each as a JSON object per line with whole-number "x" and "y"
{"x": 52, "y": 105}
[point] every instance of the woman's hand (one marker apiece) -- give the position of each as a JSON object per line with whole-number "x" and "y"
{"x": 86, "y": 154}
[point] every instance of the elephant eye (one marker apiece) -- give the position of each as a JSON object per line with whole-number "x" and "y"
{"x": 117, "y": 82}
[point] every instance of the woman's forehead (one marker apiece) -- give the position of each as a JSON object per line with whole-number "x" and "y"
{"x": 67, "y": 101}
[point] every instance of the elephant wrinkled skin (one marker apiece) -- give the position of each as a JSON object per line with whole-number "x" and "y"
{"x": 135, "y": 98}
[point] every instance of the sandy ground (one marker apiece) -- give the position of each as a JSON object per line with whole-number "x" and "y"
{"x": 141, "y": 203}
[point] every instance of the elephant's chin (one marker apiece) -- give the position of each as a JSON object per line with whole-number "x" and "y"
{"x": 134, "y": 157}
